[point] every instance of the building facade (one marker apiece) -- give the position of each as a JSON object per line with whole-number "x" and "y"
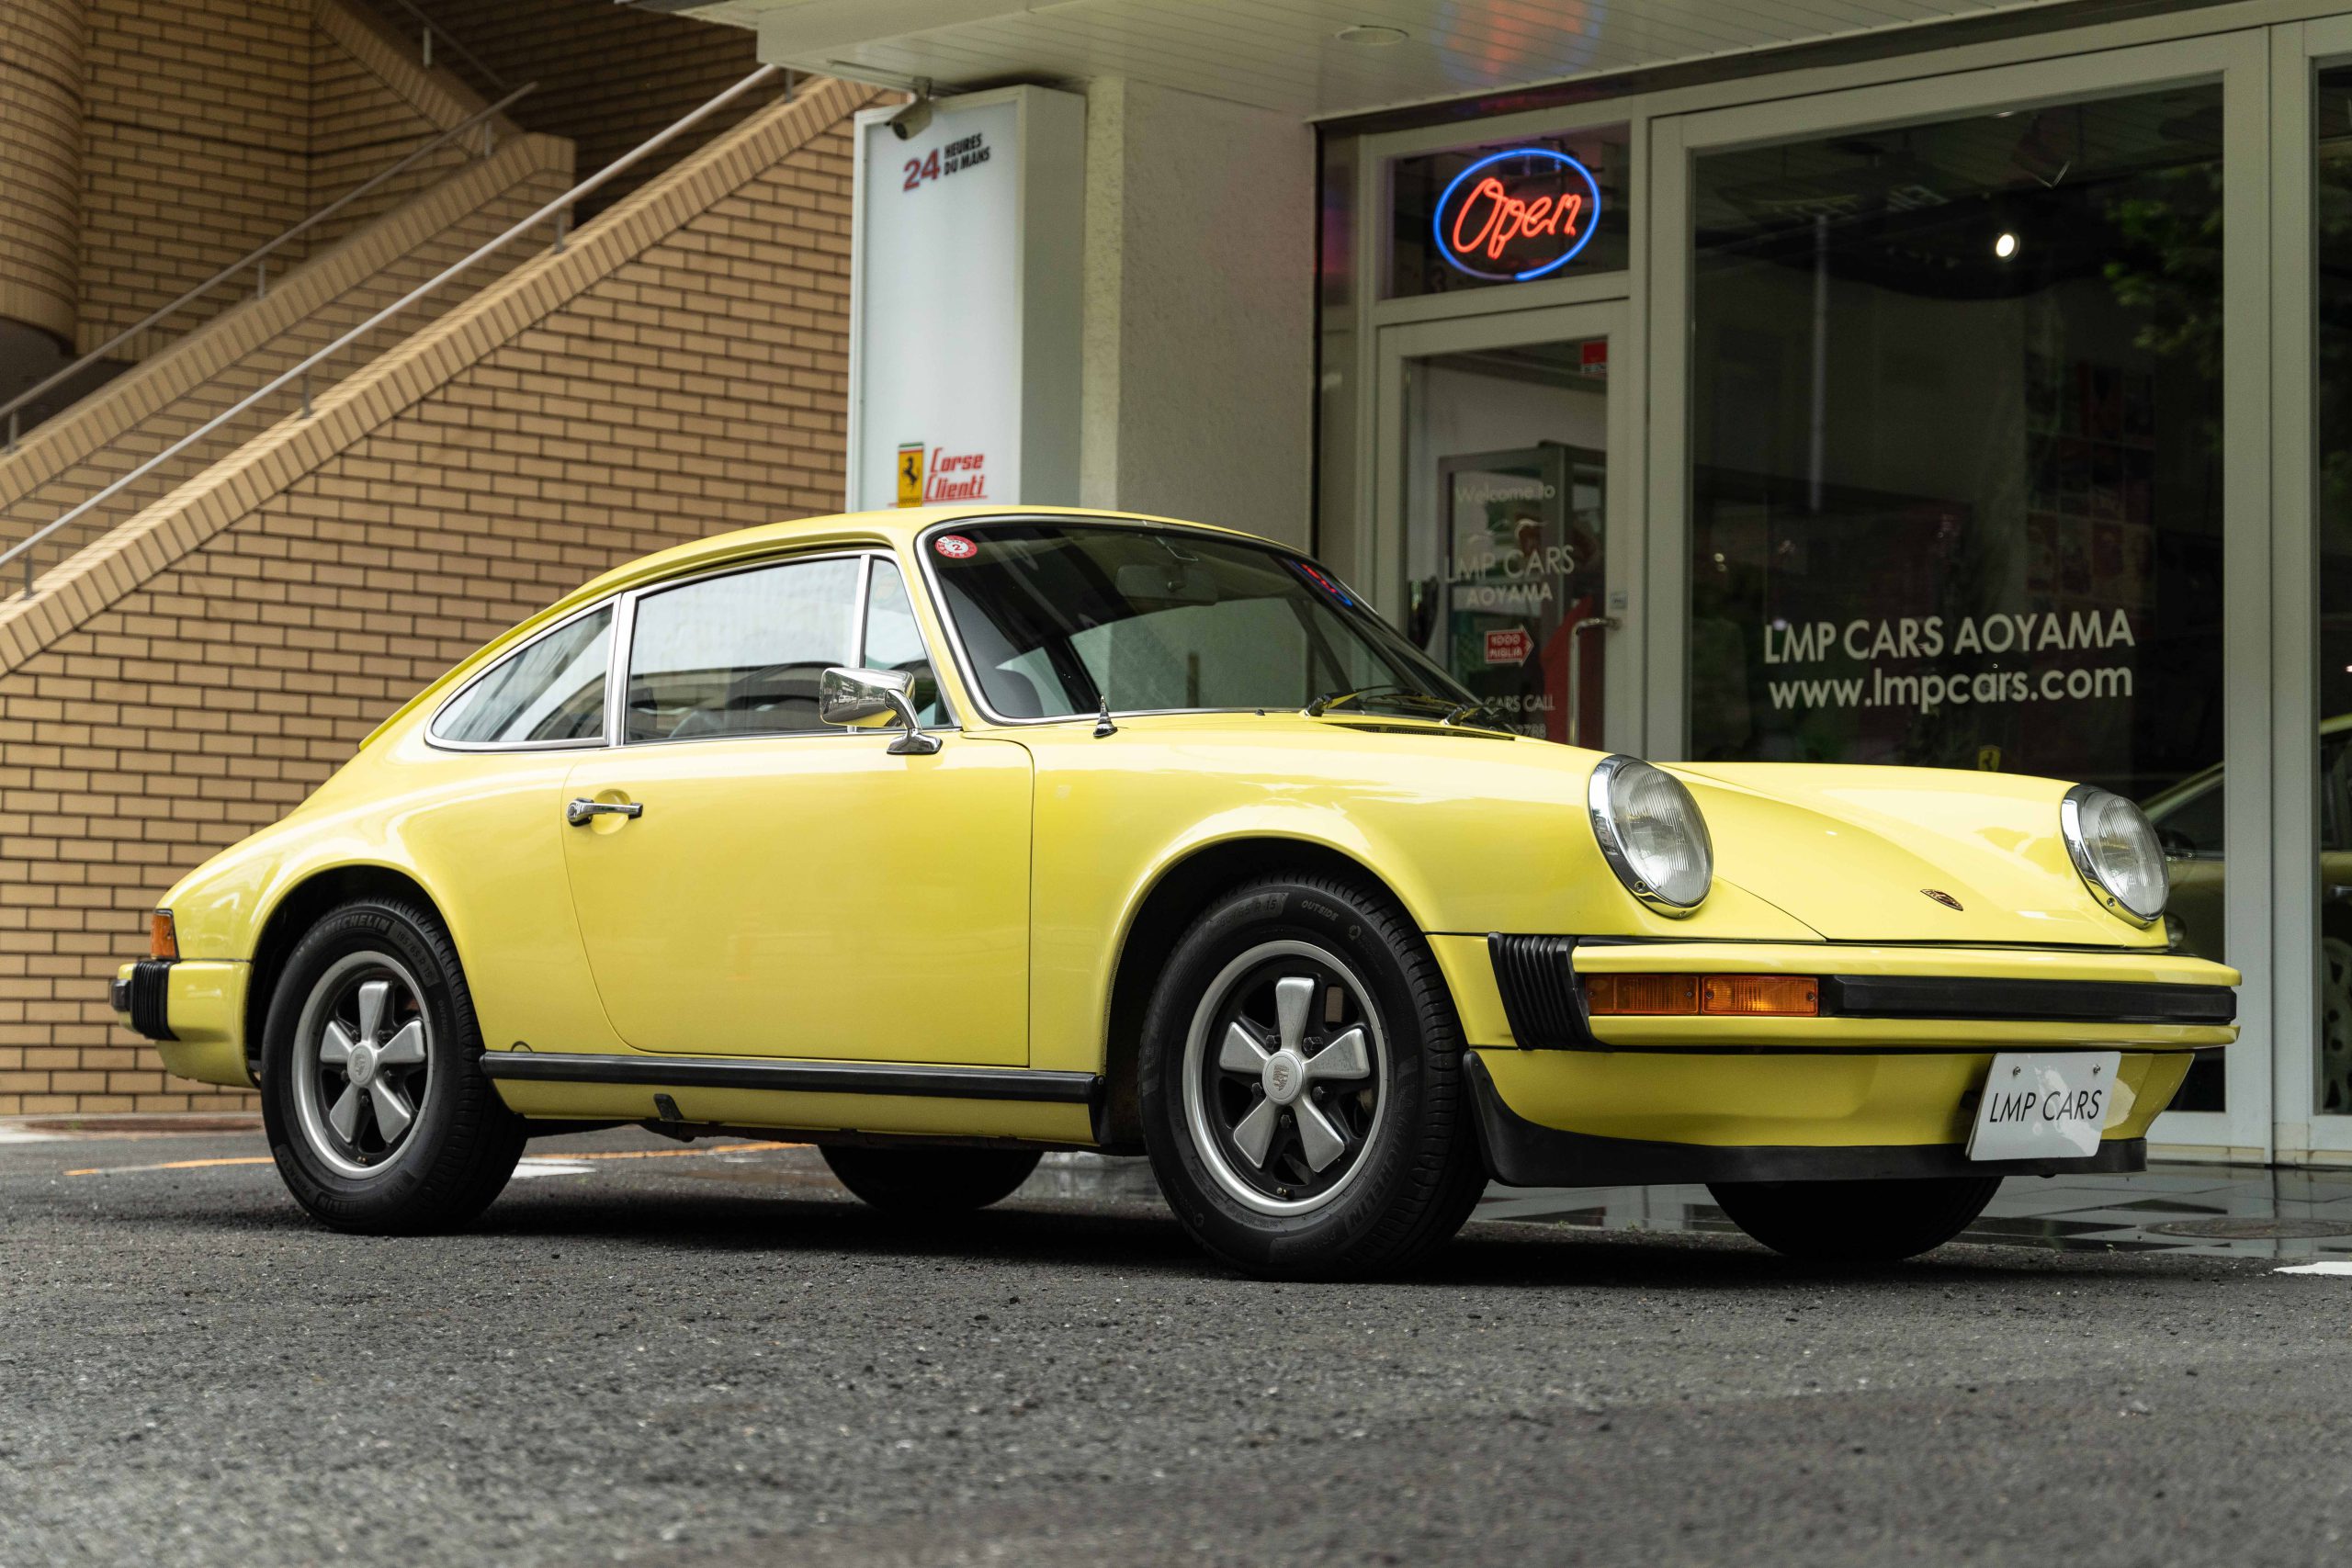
{"x": 1970, "y": 395}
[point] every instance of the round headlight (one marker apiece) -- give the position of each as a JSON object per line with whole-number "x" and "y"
{"x": 1651, "y": 834}
{"x": 2115, "y": 847}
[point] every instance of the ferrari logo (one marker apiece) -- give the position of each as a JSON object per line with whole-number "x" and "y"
{"x": 910, "y": 473}
{"x": 1940, "y": 896}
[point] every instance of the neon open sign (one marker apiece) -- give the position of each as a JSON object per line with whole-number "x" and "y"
{"x": 1517, "y": 214}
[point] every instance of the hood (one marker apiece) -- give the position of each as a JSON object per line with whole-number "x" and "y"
{"x": 1852, "y": 852}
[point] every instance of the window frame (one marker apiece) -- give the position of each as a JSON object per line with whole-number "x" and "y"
{"x": 623, "y": 606}
{"x": 967, "y": 667}
{"x": 435, "y": 739}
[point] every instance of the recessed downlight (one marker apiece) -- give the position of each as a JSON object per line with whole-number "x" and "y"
{"x": 1371, "y": 36}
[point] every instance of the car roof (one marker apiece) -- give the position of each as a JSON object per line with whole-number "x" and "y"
{"x": 897, "y": 527}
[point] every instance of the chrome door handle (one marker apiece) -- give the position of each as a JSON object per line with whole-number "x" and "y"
{"x": 1574, "y": 683}
{"x": 579, "y": 813}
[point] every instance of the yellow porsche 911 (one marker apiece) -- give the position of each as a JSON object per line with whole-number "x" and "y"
{"x": 943, "y": 838}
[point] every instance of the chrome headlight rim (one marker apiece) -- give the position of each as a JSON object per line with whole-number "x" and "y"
{"x": 1606, "y": 831}
{"x": 2078, "y": 849}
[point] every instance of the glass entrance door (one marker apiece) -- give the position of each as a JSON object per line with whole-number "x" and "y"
{"x": 1504, "y": 498}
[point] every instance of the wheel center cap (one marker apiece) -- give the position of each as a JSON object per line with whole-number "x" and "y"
{"x": 363, "y": 1064}
{"x": 1284, "y": 1075}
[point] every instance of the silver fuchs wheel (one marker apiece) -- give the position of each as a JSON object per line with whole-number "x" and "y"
{"x": 362, "y": 1063}
{"x": 1300, "y": 1085}
{"x": 378, "y": 1113}
{"x": 1282, "y": 1075}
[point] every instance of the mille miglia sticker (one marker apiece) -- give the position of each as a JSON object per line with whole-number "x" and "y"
{"x": 955, "y": 547}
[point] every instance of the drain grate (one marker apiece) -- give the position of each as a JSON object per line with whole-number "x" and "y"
{"x": 2254, "y": 1230}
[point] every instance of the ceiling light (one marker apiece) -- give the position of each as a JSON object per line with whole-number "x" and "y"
{"x": 2006, "y": 246}
{"x": 1371, "y": 36}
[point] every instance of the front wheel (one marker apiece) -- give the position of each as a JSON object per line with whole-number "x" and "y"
{"x": 1301, "y": 1084}
{"x": 929, "y": 1181}
{"x": 378, "y": 1113}
{"x": 1855, "y": 1222}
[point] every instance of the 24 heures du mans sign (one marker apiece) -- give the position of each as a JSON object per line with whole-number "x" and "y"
{"x": 1516, "y": 214}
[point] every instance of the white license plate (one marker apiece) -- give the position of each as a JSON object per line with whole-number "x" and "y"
{"x": 2045, "y": 1105}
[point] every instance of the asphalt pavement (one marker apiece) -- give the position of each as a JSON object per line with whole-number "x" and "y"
{"x": 647, "y": 1354}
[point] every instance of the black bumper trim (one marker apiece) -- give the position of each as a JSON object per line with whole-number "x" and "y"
{"x": 146, "y": 997}
{"x": 1521, "y": 1152}
{"x": 1543, "y": 999}
{"x": 797, "y": 1077}
{"x": 1982, "y": 999}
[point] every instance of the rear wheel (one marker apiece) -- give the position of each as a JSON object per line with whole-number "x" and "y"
{"x": 1856, "y": 1221}
{"x": 930, "y": 1182}
{"x": 378, "y": 1113}
{"x": 1300, "y": 1082}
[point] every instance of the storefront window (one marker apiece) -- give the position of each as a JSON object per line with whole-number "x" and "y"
{"x": 1506, "y": 461}
{"x": 1507, "y": 212}
{"x": 2333, "y": 219}
{"x": 1957, "y": 463}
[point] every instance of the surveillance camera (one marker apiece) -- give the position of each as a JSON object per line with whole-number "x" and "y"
{"x": 910, "y": 121}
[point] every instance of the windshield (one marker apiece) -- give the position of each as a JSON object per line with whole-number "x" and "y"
{"x": 1055, "y": 616}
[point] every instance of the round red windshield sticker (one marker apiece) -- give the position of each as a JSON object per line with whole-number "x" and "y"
{"x": 955, "y": 547}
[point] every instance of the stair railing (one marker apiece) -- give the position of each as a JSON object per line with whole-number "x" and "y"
{"x": 558, "y": 209}
{"x": 257, "y": 260}
{"x": 424, "y": 46}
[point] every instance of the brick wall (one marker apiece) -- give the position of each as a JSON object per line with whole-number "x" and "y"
{"x": 681, "y": 369}
{"x": 41, "y": 163}
{"x": 196, "y": 147}
{"x": 570, "y": 47}
{"x": 214, "y": 127}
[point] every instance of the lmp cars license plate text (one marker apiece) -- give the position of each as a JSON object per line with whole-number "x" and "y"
{"x": 2045, "y": 1105}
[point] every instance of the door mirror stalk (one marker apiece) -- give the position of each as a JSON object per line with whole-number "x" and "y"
{"x": 875, "y": 699}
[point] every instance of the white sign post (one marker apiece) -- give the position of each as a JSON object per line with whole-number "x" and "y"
{"x": 965, "y": 248}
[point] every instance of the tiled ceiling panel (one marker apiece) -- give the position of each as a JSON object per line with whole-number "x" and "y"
{"x": 1309, "y": 57}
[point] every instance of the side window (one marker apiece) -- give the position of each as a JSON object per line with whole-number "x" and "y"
{"x": 893, "y": 641}
{"x": 739, "y": 654}
{"x": 552, "y": 690}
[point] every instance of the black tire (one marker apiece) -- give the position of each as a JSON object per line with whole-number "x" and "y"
{"x": 929, "y": 1181}
{"x": 1408, "y": 1169}
{"x": 1856, "y": 1221}
{"x": 460, "y": 1146}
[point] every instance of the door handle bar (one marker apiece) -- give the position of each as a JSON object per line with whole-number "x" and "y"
{"x": 1575, "y": 672}
{"x": 579, "y": 813}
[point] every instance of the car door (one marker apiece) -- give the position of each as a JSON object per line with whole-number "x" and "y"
{"x": 785, "y": 888}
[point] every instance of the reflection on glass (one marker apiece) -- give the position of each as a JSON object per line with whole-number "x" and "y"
{"x": 1505, "y": 506}
{"x": 1957, "y": 461}
{"x": 2332, "y": 1095}
{"x": 552, "y": 690}
{"x": 740, "y": 653}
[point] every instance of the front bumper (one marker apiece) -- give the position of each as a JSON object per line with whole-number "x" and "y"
{"x": 1883, "y": 1085}
{"x": 194, "y": 1011}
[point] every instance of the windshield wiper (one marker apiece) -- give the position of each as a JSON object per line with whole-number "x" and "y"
{"x": 1461, "y": 711}
{"x": 1392, "y": 691}
{"x": 1344, "y": 697}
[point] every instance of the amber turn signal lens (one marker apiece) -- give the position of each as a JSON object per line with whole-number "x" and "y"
{"x": 162, "y": 940}
{"x": 1607, "y": 996}
{"x": 1761, "y": 996}
{"x": 1722, "y": 996}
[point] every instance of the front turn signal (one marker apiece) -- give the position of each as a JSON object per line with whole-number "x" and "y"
{"x": 1761, "y": 996}
{"x": 1618, "y": 996}
{"x": 163, "y": 938}
{"x": 1719, "y": 996}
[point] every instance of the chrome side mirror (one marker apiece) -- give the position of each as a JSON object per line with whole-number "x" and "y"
{"x": 875, "y": 699}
